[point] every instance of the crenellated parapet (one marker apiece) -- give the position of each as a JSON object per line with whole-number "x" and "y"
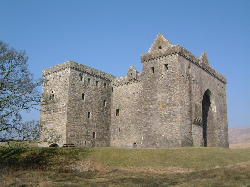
{"x": 177, "y": 49}
{"x": 79, "y": 67}
{"x": 125, "y": 80}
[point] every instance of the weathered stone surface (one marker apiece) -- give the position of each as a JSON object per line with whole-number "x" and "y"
{"x": 177, "y": 100}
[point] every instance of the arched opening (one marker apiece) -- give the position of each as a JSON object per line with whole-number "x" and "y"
{"x": 134, "y": 145}
{"x": 54, "y": 145}
{"x": 205, "y": 109}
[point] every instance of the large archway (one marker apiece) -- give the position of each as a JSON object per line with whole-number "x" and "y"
{"x": 206, "y": 102}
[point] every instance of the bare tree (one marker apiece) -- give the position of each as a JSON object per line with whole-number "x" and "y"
{"x": 18, "y": 89}
{"x": 28, "y": 130}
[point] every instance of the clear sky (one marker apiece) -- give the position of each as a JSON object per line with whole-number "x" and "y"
{"x": 110, "y": 35}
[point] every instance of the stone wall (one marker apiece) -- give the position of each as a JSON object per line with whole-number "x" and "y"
{"x": 88, "y": 109}
{"x": 125, "y": 112}
{"x": 53, "y": 116}
{"x": 197, "y": 83}
{"x": 160, "y": 107}
{"x": 82, "y": 120}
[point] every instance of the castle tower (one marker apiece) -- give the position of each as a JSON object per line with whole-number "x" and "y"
{"x": 78, "y": 105}
{"x": 184, "y": 99}
{"x": 161, "y": 96}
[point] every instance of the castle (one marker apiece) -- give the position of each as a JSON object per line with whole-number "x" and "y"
{"x": 177, "y": 100}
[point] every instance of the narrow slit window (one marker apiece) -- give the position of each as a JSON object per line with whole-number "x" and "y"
{"x": 96, "y": 83}
{"x": 88, "y": 81}
{"x": 83, "y": 96}
{"x": 112, "y": 89}
{"x": 104, "y": 103}
{"x": 166, "y": 66}
{"x": 80, "y": 77}
{"x": 152, "y": 69}
{"x": 94, "y": 135}
{"x": 104, "y": 85}
{"x": 119, "y": 130}
{"x": 117, "y": 112}
{"x": 89, "y": 114}
{"x": 52, "y": 95}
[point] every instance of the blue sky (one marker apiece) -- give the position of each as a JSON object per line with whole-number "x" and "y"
{"x": 111, "y": 35}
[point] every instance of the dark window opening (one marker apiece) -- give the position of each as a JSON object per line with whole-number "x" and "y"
{"x": 96, "y": 83}
{"x": 166, "y": 66}
{"x": 152, "y": 69}
{"x": 112, "y": 89}
{"x": 89, "y": 114}
{"x": 159, "y": 47}
{"x": 134, "y": 145}
{"x": 88, "y": 81}
{"x": 54, "y": 145}
{"x": 119, "y": 130}
{"x": 104, "y": 84}
{"x": 94, "y": 135}
{"x": 117, "y": 112}
{"x": 52, "y": 96}
{"x": 80, "y": 77}
{"x": 85, "y": 143}
{"x": 104, "y": 103}
{"x": 83, "y": 96}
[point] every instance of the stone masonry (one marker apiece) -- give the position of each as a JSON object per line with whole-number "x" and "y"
{"x": 177, "y": 100}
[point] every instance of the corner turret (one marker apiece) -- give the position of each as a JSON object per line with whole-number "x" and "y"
{"x": 204, "y": 58}
{"x": 132, "y": 73}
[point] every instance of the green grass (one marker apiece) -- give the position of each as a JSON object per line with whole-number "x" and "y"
{"x": 193, "y": 158}
{"x": 124, "y": 167}
{"x": 19, "y": 143}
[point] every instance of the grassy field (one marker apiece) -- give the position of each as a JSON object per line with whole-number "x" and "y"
{"x": 124, "y": 167}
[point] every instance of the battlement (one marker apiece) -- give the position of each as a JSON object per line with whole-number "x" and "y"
{"x": 125, "y": 80}
{"x": 177, "y": 49}
{"x": 78, "y": 67}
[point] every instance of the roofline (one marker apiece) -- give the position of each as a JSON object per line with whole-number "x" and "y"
{"x": 177, "y": 49}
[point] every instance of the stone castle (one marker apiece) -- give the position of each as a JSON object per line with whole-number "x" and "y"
{"x": 177, "y": 100}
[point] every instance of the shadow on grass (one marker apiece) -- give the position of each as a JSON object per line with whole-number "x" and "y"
{"x": 40, "y": 158}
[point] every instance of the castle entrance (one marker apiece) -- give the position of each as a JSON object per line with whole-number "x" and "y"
{"x": 206, "y": 102}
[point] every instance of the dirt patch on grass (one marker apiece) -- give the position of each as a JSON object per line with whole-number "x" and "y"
{"x": 155, "y": 170}
{"x": 91, "y": 166}
{"x": 82, "y": 166}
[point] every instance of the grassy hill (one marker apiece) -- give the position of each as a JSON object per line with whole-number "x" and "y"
{"x": 124, "y": 167}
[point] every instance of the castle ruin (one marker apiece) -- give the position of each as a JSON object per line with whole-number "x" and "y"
{"x": 177, "y": 100}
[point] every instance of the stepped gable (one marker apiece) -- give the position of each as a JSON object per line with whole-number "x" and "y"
{"x": 160, "y": 43}
{"x": 79, "y": 67}
{"x": 170, "y": 49}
